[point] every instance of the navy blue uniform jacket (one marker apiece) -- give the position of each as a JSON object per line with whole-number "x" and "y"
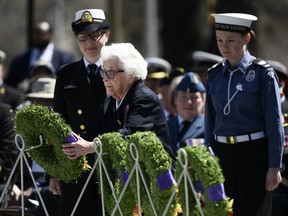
{"x": 196, "y": 130}
{"x": 77, "y": 101}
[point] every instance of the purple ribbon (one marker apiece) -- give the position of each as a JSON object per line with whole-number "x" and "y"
{"x": 216, "y": 192}
{"x": 199, "y": 187}
{"x": 165, "y": 180}
{"x": 124, "y": 176}
{"x": 115, "y": 174}
{"x": 71, "y": 138}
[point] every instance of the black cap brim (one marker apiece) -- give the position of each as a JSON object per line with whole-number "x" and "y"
{"x": 89, "y": 27}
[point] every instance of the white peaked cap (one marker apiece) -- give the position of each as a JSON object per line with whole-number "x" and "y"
{"x": 96, "y": 14}
{"x": 89, "y": 20}
{"x": 238, "y": 22}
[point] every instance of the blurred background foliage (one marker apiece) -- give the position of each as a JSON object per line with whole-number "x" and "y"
{"x": 165, "y": 28}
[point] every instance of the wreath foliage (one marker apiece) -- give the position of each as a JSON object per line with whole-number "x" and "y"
{"x": 35, "y": 120}
{"x": 203, "y": 166}
{"x": 154, "y": 161}
{"x": 114, "y": 149}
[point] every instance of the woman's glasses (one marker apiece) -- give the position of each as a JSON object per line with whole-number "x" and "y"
{"x": 95, "y": 36}
{"x": 110, "y": 74}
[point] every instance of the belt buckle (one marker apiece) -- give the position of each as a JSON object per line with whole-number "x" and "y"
{"x": 231, "y": 139}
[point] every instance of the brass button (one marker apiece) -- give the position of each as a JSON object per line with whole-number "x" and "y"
{"x": 82, "y": 127}
{"x": 79, "y": 111}
{"x": 2, "y": 90}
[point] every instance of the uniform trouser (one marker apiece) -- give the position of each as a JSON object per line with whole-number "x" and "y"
{"x": 244, "y": 167}
{"x": 90, "y": 203}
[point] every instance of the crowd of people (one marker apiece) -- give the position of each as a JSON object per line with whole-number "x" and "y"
{"x": 235, "y": 103}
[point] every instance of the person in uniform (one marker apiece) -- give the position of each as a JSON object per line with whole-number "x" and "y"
{"x": 282, "y": 74}
{"x": 188, "y": 126}
{"x": 165, "y": 87}
{"x": 8, "y": 149}
{"x": 202, "y": 61}
{"x": 79, "y": 91}
{"x": 280, "y": 195}
{"x": 243, "y": 122}
{"x": 158, "y": 69}
{"x": 8, "y": 94}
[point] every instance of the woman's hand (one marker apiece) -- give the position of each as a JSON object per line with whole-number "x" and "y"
{"x": 79, "y": 148}
{"x": 273, "y": 178}
{"x": 54, "y": 186}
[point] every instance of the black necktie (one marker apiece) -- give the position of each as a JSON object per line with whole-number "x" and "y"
{"x": 185, "y": 126}
{"x": 92, "y": 69}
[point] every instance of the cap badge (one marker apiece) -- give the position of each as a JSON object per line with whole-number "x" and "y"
{"x": 86, "y": 17}
{"x": 250, "y": 76}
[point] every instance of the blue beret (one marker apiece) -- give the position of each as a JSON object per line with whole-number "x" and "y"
{"x": 191, "y": 83}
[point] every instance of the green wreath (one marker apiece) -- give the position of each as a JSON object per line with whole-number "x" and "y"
{"x": 35, "y": 120}
{"x": 114, "y": 148}
{"x": 155, "y": 162}
{"x": 203, "y": 166}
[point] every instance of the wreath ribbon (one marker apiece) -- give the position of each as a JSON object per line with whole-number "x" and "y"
{"x": 166, "y": 180}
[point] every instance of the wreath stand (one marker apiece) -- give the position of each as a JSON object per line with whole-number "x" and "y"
{"x": 20, "y": 143}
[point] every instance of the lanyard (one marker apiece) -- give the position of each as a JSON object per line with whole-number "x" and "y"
{"x": 226, "y": 109}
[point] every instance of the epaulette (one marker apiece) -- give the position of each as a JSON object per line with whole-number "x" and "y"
{"x": 266, "y": 65}
{"x": 214, "y": 66}
{"x": 261, "y": 62}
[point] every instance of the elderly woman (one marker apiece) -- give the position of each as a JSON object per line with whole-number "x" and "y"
{"x": 130, "y": 106}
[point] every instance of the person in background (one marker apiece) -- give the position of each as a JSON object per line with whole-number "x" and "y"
{"x": 164, "y": 89}
{"x": 243, "y": 122}
{"x": 130, "y": 107}
{"x": 40, "y": 68}
{"x": 42, "y": 93}
{"x": 280, "y": 195}
{"x": 8, "y": 149}
{"x": 202, "y": 61}
{"x": 8, "y": 94}
{"x": 188, "y": 125}
{"x": 282, "y": 74}
{"x": 79, "y": 92}
{"x": 158, "y": 69}
{"x": 172, "y": 92}
{"x": 42, "y": 48}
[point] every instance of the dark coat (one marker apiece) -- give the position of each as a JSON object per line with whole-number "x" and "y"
{"x": 196, "y": 130}
{"x": 11, "y": 96}
{"x": 8, "y": 149}
{"x": 75, "y": 99}
{"x": 78, "y": 101}
{"x": 140, "y": 110}
{"x": 20, "y": 69}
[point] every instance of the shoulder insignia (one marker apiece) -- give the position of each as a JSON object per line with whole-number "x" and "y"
{"x": 261, "y": 62}
{"x": 214, "y": 66}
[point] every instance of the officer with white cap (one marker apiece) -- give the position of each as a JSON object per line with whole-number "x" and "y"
{"x": 79, "y": 91}
{"x": 243, "y": 122}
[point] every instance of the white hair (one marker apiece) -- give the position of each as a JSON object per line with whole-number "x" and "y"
{"x": 128, "y": 57}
